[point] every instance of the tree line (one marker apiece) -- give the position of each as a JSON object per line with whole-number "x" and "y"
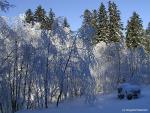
{"x": 41, "y": 17}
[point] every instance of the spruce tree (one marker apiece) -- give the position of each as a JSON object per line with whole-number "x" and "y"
{"x": 146, "y": 39}
{"x": 87, "y": 31}
{"x": 51, "y": 15}
{"x": 115, "y": 25}
{"x": 134, "y": 31}
{"x": 94, "y": 19}
{"x": 134, "y": 36}
{"x": 146, "y": 44}
{"x": 148, "y": 29}
{"x": 46, "y": 23}
{"x": 39, "y": 15}
{"x": 87, "y": 17}
{"x": 29, "y": 16}
{"x": 102, "y": 31}
{"x": 65, "y": 23}
{"x": 115, "y": 34}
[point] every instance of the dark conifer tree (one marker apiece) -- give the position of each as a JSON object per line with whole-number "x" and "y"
{"x": 94, "y": 19}
{"x": 134, "y": 31}
{"x": 87, "y": 17}
{"x": 146, "y": 39}
{"x": 46, "y": 23}
{"x": 102, "y": 31}
{"x": 115, "y": 25}
{"x": 51, "y": 15}
{"x": 29, "y": 16}
{"x": 87, "y": 29}
{"x": 39, "y": 14}
{"x": 115, "y": 34}
{"x": 148, "y": 29}
{"x": 65, "y": 23}
{"x": 134, "y": 39}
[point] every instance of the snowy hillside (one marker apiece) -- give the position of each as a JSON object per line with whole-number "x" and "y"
{"x": 105, "y": 104}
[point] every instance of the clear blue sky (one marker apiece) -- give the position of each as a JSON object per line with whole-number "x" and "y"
{"x": 73, "y": 9}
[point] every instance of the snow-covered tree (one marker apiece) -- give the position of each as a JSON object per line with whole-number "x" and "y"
{"x": 102, "y": 31}
{"x": 134, "y": 37}
{"x": 115, "y": 25}
{"x": 134, "y": 31}
{"x": 29, "y": 16}
{"x": 65, "y": 23}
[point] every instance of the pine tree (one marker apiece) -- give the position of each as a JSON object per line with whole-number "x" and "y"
{"x": 46, "y": 23}
{"x": 146, "y": 39}
{"x": 87, "y": 17}
{"x": 29, "y": 16}
{"x": 134, "y": 36}
{"x": 39, "y": 15}
{"x": 148, "y": 29}
{"x": 134, "y": 31}
{"x": 65, "y": 23}
{"x": 87, "y": 30}
{"x": 94, "y": 19}
{"x": 51, "y": 15}
{"x": 102, "y": 31}
{"x": 115, "y": 34}
{"x": 115, "y": 25}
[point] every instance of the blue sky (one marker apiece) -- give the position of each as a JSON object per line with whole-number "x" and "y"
{"x": 73, "y": 9}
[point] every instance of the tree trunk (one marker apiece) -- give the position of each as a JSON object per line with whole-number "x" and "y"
{"x": 29, "y": 94}
{"x": 46, "y": 84}
{"x": 66, "y": 65}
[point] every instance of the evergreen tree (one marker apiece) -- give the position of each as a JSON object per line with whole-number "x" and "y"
{"x": 146, "y": 44}
{"x": 146, "y": 39}
{"x": 87, "y": 17}
{"x": 134, "y": 36}
{"x": 39, "y": 15}
{"x": 102, "y": 31}
{"x": 134, "y": 31}
{"x": 87, "y": 31}
{"x": 115, "y": 25}
{"x": 29, "y": 16}
{"x": 46, "y": 23}
{"x": 148, "y": 29}
{"x": 51, "y": 15}
{"x": 115, "y": 34}
{"x": 65, "y": 23}
{"x": 94, "y": 19}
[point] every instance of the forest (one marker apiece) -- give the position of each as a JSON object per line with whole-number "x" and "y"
{"x": 43, "y": 61}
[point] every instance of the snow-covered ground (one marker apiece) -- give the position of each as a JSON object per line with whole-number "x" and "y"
{"x": 105, "y": 104}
